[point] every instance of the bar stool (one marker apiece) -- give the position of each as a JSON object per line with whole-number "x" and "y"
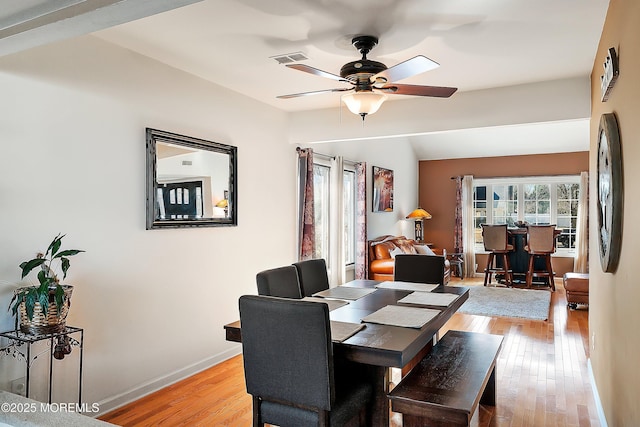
{"x": 541, "y": 242}
{"x": 496, "y": 242}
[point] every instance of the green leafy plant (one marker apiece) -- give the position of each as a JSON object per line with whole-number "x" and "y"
{"x": 49, "y": 284}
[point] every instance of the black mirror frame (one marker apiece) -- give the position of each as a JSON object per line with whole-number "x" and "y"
{"x": 154, "y": 135}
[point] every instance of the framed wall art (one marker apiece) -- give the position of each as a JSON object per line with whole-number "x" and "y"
{"x": 382, "y": 189}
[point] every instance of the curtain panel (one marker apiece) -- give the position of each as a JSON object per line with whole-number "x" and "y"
{"x": 306, "y": 227}
{"x": 581, "y": 261}
{"x": 458, "y": 246}
{"x": 362, "y": 253}
{"x": 468, "y": 238}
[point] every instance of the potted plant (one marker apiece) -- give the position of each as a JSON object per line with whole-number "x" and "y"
{"x": 43, "y": 308}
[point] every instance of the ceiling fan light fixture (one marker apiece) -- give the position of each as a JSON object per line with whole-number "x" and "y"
{"x": 363, "y": 103}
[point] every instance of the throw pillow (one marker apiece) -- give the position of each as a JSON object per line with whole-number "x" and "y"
{"x": 406, "y": 246}
{"x": 395, "y": 252}
{"x": 424, "y": 250}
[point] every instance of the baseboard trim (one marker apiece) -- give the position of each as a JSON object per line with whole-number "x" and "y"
{"x": 596, "y": 395}
{"x": 114, "y": 402}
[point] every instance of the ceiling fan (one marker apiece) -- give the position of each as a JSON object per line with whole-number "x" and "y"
{"x": 371, "y": 80}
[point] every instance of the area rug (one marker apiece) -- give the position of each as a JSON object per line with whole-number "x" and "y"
{"x": 507, "y": 302}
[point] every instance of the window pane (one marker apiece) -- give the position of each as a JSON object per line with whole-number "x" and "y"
{"x": 563, "y": 191}
{"x": 567, "y": 213}
{"x": 563, "y": 222}
{"x": 575, "y": 191}
{"x": 543, "y": 192}
{"x": 349, "y": 178}
{"x": 543, "y": 207}
{"x": 479, "y": 211}
{"x": 321, "y": 206}
{"x": 564, "y": 207}
{"x": 529, "y": 207}
{"x": 505, "y": 204}
{"x": 529, "y": 192}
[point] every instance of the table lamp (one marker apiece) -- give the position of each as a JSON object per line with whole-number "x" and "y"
{"x": 419, "y": 215}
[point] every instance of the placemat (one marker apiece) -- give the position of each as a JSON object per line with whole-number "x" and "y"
{"x": 340, "y": 331}
{"x": 332, "y": 303}
{"x": 407, "y": 317}
{"x": 407, "y": 286}
{"x": 429, "y": 298}
{"x": 344, "y": 292}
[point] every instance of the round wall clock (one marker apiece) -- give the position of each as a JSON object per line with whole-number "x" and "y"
{"x": 610, "y": 191}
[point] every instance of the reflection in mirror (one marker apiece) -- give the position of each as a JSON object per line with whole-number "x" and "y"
{"x": 190, "y": 182}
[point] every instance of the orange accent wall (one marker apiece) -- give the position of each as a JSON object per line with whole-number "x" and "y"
{"x": 437, "y": 191}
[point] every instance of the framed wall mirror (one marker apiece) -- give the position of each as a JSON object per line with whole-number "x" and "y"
{"x": 191, "y": 182}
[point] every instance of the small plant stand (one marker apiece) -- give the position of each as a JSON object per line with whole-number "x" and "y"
{"x": 20, "y": 348}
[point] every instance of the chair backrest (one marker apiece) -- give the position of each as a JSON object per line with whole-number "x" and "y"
{"x": 287, "y": 351}
{"x": 495, "y": 237}
{"x": 312, "y": 275}
{"x": 541, "y": 238}
{"x": 419, "y": 268}
{"x": 279, "y": 282}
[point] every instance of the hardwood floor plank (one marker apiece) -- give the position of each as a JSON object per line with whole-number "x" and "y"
{"x": 541, "y": 375}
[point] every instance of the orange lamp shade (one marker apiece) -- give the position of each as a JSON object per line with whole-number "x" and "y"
{"x": 419, "y": 213}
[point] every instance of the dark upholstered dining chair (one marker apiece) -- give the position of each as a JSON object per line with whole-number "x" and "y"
{"x": 312, "y": 275}
{"x": 419, "y": 268}
{"x": 279, "y": 282}
{"x": 289, "y": 365}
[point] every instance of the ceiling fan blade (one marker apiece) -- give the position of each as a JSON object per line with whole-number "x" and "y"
{"x": 437, "y": 91}
{"x": 316, "y": 92}
{"x": 410, "y": 67}
{"x": 317, "y": 72}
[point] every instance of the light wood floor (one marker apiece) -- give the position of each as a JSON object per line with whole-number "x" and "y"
{"x": 542, "y": 379}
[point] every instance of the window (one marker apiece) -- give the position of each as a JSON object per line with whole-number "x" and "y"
{"x": 349, "y": 187}
{"x": 536, "y": 200}
{"x": 322, "y": 214}
{"x": 324, "y": 225}
{"x": 567, "y": 196}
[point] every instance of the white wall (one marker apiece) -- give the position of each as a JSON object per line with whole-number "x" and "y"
{"x": 153, "y": 303}
{"x": 397, "y": 155}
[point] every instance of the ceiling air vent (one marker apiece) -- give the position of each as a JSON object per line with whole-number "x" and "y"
{"x": 290, "y": 57}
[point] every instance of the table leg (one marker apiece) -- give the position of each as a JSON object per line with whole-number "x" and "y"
{"x": 379, "y": 411}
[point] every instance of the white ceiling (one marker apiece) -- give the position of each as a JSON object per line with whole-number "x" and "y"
{"x": 493, "y": 141}
{"x": 479, "y": 45}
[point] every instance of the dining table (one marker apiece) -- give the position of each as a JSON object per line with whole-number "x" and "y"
{"x": 378, "y": 346}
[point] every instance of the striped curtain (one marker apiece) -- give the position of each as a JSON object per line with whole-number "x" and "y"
{"x": 306, "y": 227}
{"x": 361, "y": 221}
{"x": 458, "y": 247}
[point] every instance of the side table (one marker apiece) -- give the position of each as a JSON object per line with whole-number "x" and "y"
{"x": 18, "y": 339}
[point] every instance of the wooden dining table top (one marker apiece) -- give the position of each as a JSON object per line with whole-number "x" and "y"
{"x": 377, "y": 344}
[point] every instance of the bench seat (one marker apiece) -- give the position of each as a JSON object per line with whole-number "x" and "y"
{"x": 444, "y": 389}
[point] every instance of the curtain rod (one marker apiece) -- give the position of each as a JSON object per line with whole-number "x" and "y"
{"x": 328, "y": 157}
